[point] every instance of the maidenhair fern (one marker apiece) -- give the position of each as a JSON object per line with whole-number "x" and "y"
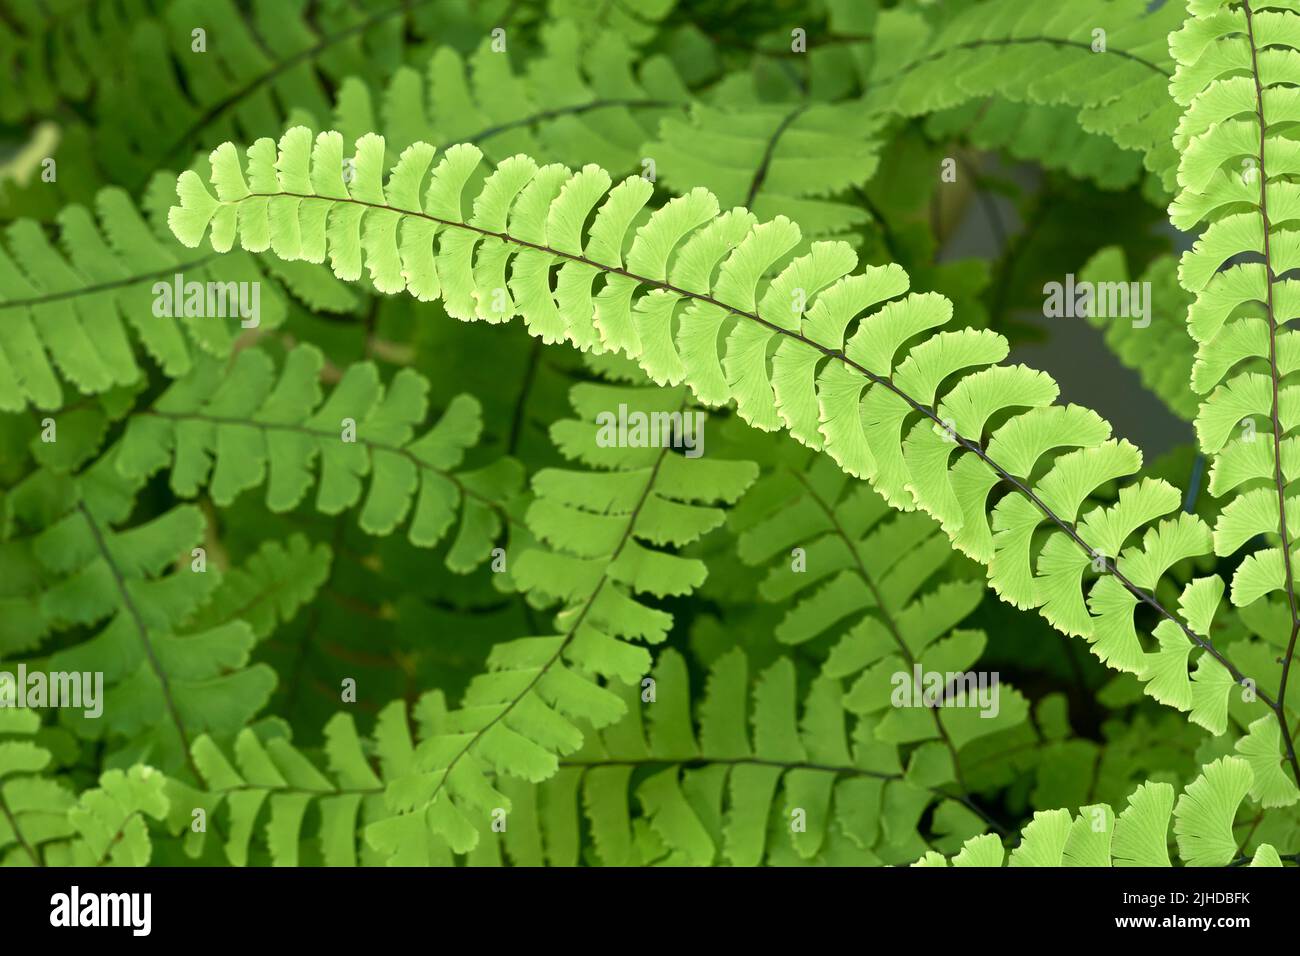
{"x": 272, "y": 776}
{"x": 188, "y": 73}
{"x": 752, "y": 763}
{"x": 1231, "y": 179}
{"x": 727, "y": 790}
{"x": 659, "y": 522}
{"x": 1047, "y": 134}
{"x": 883, "y": 568}
{"x": 878, "y": 417}
{"x": 51, "y": 51}
{"x": 591, "y": 560}
{"x": 269, "y": 588}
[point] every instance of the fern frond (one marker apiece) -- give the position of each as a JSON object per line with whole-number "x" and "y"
{"x": 134, "y": 590}
{"x": 886, "y": 598}
{"x": 760, "y": 772}
{"x": 830, "y": 551}
{"x": 259, "y": 69}
{"x": 1048, "y": 54}
{"x": 267, "y": 777}
{"x": 75, "y": 314}
{"x": 765, "y": 774}
{"x": 790, "y": 342}
{"x": 1237, "y": 162}
{"x": 232, "y": 429}
{"x": 869, "y": 581}
{"x": 33, "y": 808}
{"x": 1203, "y": 819}
{"x": 638, "y": 22}
{"x": 601, "y": 103}
{"x": 774, "y": 159}
{"x": 1049, "y": 135}
{"x": 51, "y": 53}
{"x": 269, "y": 800}
{"x": 601, "y": 537}
{"x": 784, "y": 764}
{"x": 44, "y": 823}
{"x": 767, "y": 771}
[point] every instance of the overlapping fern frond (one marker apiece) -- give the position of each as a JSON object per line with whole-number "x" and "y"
{"x": 266, "y": 778}
{"x": 600, "y": 552}
{"x": 601, "y": 104}
{"x": 876, "y": 597}
{"x": 638, "y": 22}
{"x": 129, "y": 594}
{"x": 758, "y": 770}
{"x": 874, "y": 590}
{"x": 602, "y": 537}
{"x": 1204, "y": 819}
{"x": 229, "y": 429}
{"x": 45, "y": 822}
{"x": 761, "y": 772}
{"x": 75, "y": 314}
{"x": 795, "y": 160}
{"x": 50, "y": 52}
{"x": 189, "y": 73}
{"x": 1107, "y": 59}
{"x": 1049, "y": 135}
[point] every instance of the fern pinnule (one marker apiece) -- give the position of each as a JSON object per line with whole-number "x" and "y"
{"x": 269, "y": 587}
